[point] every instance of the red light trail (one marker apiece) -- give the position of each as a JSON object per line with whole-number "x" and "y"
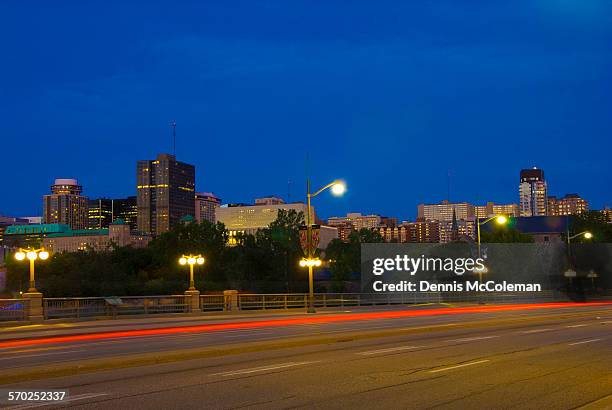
{"x": 291, "y": 321}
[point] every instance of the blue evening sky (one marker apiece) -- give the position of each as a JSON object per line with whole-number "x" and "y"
{"x": 389, "y": 95}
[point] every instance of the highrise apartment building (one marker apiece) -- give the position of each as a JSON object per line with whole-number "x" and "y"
{"x": 533, "y": 193}
{"x": 206, "y": 204}
{"x": 570, "y": 204}
{"x": 165, "y": 193}
{"x": 66, "y": 205}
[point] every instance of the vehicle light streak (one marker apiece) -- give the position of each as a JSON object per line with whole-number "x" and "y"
{"x": 291, "y": 321}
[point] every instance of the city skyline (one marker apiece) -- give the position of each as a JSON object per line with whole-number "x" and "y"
{"x": 412, "y": 215}
{"x": 391, "y": 107}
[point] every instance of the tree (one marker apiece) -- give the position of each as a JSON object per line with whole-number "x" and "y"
{"x": 505, "y": 234}
{"x": 345, "y": 257}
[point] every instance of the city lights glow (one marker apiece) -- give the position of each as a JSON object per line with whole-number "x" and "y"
{"x": 588, "y": 235}
{"x": 20, "y": 256}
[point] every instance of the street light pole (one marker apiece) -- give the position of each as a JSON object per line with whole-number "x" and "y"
{"x": 191, "y": 260}
{"x": 501, "y": 220}
{"x": 311, "y": 308}
{"x": 338, "y": 187}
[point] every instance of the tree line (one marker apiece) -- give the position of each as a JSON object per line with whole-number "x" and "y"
{"x": 264, "y": 262}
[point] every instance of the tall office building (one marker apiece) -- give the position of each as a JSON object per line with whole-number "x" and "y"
{"x": 66, "y": 205}
{"x": 104, "y": 211}
{"x": 127, "y": 210}
{"x": 100, "y": 213}
{"x": 166, "y": 193}
{"x": 206, "y": 204}
{"x": 533, "y": 193}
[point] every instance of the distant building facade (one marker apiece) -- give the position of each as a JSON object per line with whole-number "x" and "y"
{"x": 492, "y": 209}
{"x": 99, "y": 213}
{"x": 444, "y": 211}
{"x": 165, "y": 193}
{"x": 206, "y": 204}
{"x": 117, "y": 234}
{"x": 247, "y": 219}
{"x": 66, "y": 205}
{"x": 103, "y": 211}
{"x": 533, "y": 193}
{"x": 570, "y": 204}
{"x": 127, "y": 210}
{"x": 30, "y": 235}
{"x": 269, "y": 200}
{"x": 6, "y": 221}
{"x": 357, "y": 221}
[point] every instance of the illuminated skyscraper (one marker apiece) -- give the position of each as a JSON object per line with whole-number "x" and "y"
{"x": 100, "y": 213}
{"x": 126, "y": 209}
{"x": 206, "y": 204}
{"x": 166, "y": 193}
{"x": 533, "y": 193}
{"x": 66, "y": 205}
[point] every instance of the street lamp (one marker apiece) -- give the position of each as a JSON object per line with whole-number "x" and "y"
{"x": 191, "y": 260}
{"x": 32, "y": 255}
{"x": 585, "y": 235}
{"x": 338, "y": 188}
{"x": 499, "y": 219}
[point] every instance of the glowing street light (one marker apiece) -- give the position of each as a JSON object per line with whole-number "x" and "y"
{"x": 499, "y": 219}
{"x": 32, "y": 255}
{"x": 338, "y": 188}
{"x": 304, "y": 262}
{"x": 191, "y": 260}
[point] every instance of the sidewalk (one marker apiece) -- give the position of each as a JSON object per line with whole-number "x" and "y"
{"x": 8, "y": 332}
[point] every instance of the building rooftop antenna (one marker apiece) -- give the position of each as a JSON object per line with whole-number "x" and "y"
{"x": 173, "y": 125}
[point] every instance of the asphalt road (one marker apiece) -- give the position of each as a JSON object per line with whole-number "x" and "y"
{"x": 543, "y": 359}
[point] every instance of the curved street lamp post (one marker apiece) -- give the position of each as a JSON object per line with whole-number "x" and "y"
{"x": 338, "y": 187}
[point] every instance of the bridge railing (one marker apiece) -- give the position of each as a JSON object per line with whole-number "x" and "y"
{"x": 55, "y": 308}
{"x": 76, "y": 308}
{"x": 13, "y": 309}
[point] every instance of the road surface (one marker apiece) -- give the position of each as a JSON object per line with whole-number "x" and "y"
{"x": 537, "y": 358}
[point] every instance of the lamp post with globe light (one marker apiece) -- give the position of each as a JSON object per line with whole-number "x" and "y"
{"x": 32, "y": 255}
{"x": 192, "y": 295}
{"x": 337, "y": 187}
{"x": 191, "y": 260}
